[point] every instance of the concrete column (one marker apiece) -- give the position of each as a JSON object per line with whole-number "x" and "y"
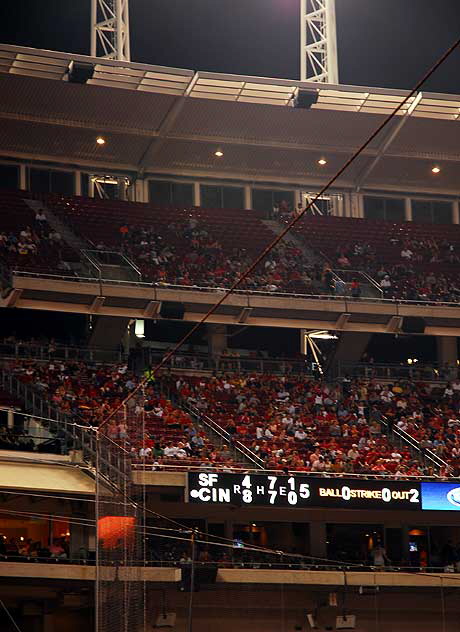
{"x": 139, "y": 191}
{"x": 447, "y": 354}
{"x": 48, "y": 623}
{"x": 22, "y": 177}
{"x": 297, "y": 198}
{"x": 196, "y": 194}
{"x": 318, "y": 545}
{"x": 247, "y": 197}
{"x": 455, "y": 213}
{"x": 78, "y": 540}
{"x": 348, "y": 350}
{"x": 338, "y": 205}
{"x": 228, "y": 530}
{"x": 77, "y": 179}
{"x": 356, "y": 209}
{"x": 347, "y": 205}
{"x": 10, "y": 417}
{"x": 217, "y": 339}
{"x": 408, "y": 209}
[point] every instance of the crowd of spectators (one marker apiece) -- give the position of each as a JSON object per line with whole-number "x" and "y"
{"x": 151, "y": 428}
{"x": 301, "y": 424}
{"x": 290, "y": 422}
{"x": 28, "y": 245}
{"x": 26, "y": 549}
{"x": 306, "y": 425}
{"x": 186, "y": 253}
{"x": 424, "y": 269}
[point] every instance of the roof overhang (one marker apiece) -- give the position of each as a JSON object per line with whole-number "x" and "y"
{"x": 44, "y": 117}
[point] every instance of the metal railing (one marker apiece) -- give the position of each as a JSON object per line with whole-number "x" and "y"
{"x": 231, "y": 364}
{"x": 369, "y": 288}
{"x": 51, "y": 351}
{"x": 248, "y": 293}
{"x": 217, "y": 430}
{"x": 432, "y": 372}
{"x": 238, "y": 468}
{"x": 100, "y": 452}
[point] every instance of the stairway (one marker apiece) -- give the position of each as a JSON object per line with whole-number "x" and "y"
{"x": 56, "y": 224}
{"x": 369, "y": 287}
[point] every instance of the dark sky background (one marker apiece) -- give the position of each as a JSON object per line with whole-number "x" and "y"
{"x": 387, "y": 43}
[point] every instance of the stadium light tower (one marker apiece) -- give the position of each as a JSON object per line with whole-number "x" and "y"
{"x": 318, "y": 41}
{"x": 110, "y": 29}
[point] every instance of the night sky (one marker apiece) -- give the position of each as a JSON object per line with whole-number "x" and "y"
{"x": 387, "y": 43}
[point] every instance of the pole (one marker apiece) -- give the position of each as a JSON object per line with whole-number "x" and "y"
{"x": 192, "y": 582}
{"x": 96, "y": 516}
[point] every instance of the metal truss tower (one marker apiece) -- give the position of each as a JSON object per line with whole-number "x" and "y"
{"x": 110, "y": 29}
{"x": 318, "y": 41}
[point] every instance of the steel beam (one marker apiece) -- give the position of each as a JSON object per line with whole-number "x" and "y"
{"x": 110, "y": 29}
{"x": 318, "y": 41}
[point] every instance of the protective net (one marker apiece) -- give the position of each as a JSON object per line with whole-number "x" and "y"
{"x": 120, "y": 550}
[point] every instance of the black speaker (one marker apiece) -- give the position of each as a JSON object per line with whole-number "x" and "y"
{"x": 80, "y": 72}
{"x": 413, "y": 325}
{"x": 170, "y": 309}
{"x": 305, "y": 99}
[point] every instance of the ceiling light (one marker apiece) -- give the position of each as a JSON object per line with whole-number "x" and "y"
{"x": 322, "y": 162}
{"x": 139, "y": 329}
{"x": 436, "y": 170}
{"x": 322, "y": 335}
{"x": 100, "y": 140}
{"x": 219, "y": 153}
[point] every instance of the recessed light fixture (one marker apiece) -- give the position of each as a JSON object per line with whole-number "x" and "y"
{"x": 100, "y": 140}
{"x": 322, "y": 162}
{"x": 322, "y": 335}
{"x": 219, "y": 153}
{"x": 436, "y": 170}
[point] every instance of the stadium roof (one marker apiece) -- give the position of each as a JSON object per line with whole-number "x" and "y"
{"x": 168, "y": 120}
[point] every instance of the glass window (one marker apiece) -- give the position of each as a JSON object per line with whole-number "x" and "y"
{"x": 160, "y": 192}
{"x": 265, "y": 199}
{"x": 442, "y": 212}
{"x": 432, "y": 211}
{"x": 262, "y": 200}
{"x": 211, "y": 196}
{"x": 389, "y": 209}
{"x": 9, "y": 177}
{"x": 47, "y": 181}
{"x": 166, "y": 193}
{"x": 421, "y": 211}
{"x": 284, "y": 196}
{"x": 181, "y": 194}
{"x": 62, "y": 182}
{"x": 394, "y": 210}
{"x": 374, "y": 208}
{"x": 232, "y": 197}
{"x": 39, "y": 180}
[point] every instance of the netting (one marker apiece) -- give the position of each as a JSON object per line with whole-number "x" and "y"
{"x": 120, "y": 550}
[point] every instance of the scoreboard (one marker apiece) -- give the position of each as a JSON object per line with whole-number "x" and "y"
{"x": 264, "y": 490}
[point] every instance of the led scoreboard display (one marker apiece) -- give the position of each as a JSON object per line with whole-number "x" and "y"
{"x": 301, "y": 491}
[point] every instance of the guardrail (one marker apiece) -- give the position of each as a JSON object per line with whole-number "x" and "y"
{"x": 224, "y": 435}
{"x": 307, "y": 564}
{"x": 238, "y": 468}
{"x": 415, "y": 372}
{"x": 37, "y": 351}
{"x": 248, "y": 293}
{"x": 230, "y": 364}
